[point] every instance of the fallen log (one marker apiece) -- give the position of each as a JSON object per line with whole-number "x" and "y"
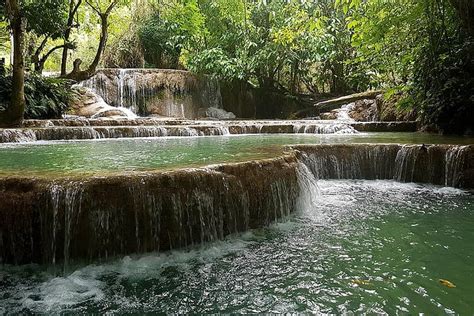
{"x": 332, "y": 104}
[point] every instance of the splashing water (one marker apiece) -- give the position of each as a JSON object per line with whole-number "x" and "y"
{"x": 361, "y": 246}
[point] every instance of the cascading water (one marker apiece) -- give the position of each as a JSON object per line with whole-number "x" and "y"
{"x": 455, "y": 159}
{"x": 100, "y": 217}
{"x": 164, "y": 92}
{"x": 308, "y": 187}
{"x": 326, "y": 128}
{"x": 62, "y": 219}
{"x": 17, "y": 135}
{"x": 97, "y": 129}
{"x": 436, "y": 164}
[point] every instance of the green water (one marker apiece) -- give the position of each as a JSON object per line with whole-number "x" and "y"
{"x": 122, "y": 155}
{"x": 362, "y": 246}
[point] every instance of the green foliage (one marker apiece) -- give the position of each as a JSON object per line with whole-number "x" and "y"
{"x": 419, "y": 51}
{"x": 47, "y": 17}
{"x": 46, "y": 98}
{"x": 162, "y": 42}
{"x": 445, "y": 87}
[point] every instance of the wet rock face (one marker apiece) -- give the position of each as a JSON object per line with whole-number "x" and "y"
{"x": 329, "y": 115}
{"x": 161, "y": 92}
{"x": 57, "y": 220}
{"x": 215, "y": 113}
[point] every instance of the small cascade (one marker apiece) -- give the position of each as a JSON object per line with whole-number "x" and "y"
{"x": 59, "y": 220}
{"x": 349, "y": 162}
{"x": 121, "y": 85}
{"x": 67, "y": 133}
{"x": 324, "y": 128}
{"x": 308, "y": 187}
{"x": 436, "y": 164}
{"x": 66, "y": 203}
{"x": 455, "y": 160}
{"x": 101, "y": 217}
{"x": 184, "y": 131}
{"x": 217, "y": 131}
{"x": 343, "y": 112}
{"x": 17, "y": 135}
{"x": 405, "y": 163}
{"x": 246, "y": 128}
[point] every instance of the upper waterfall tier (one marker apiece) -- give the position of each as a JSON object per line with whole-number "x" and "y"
{"x": 165, "y": 92}
{"x": 67, "y": 129}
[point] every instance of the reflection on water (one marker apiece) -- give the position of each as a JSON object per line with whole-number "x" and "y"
{"x": 362, "y": 246}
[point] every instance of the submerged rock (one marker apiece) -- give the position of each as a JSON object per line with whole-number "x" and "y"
{"x": 216, "y": 113}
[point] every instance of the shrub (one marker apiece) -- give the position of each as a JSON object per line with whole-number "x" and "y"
{"x": 445, "y": 88}
{"x": 46, "y": 98}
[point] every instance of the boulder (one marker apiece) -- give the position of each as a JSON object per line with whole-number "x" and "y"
{"x": 329, "y": 115}
{"x": 216, "y": 113}
{"x": 364, "y": 110}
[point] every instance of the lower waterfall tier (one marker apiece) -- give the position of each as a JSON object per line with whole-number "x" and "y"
{"x": 51, "y": 220}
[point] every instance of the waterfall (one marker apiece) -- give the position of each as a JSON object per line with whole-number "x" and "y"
{"x": 165, "y": 92}
{"x": 455, "y": 160}
{"x": 405, "y": 163}
{"x": 121, "y": 85}
{"x": 324, "y": 128}
{"x": 309, "y": 191}
{"x": 57, "y": 219}
{"x": 17, "y": 135}
{"x": 88, "y": 218}
{"x": 98, "y": 129}
{"x": 437, "y": 164}
{"x": 66, "y": 203}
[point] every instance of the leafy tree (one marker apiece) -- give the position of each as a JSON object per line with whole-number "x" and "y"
{"x": 103, "y": 9}
{"x": 48, "y": 21}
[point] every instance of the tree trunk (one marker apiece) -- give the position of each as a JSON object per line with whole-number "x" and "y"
{"x": 13, "y": 115}
{"x": 73, "y": 7}
{"x": 102, "y": 42}
{"x": 36, "y": 56}
{"x": 39, "y": 63}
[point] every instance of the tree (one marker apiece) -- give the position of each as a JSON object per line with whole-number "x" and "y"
{"x": 48, "y": 21}
{"x": 12, "y": 115}
{"x": 103, "y": 9}
{"x": 73, "y": 8}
